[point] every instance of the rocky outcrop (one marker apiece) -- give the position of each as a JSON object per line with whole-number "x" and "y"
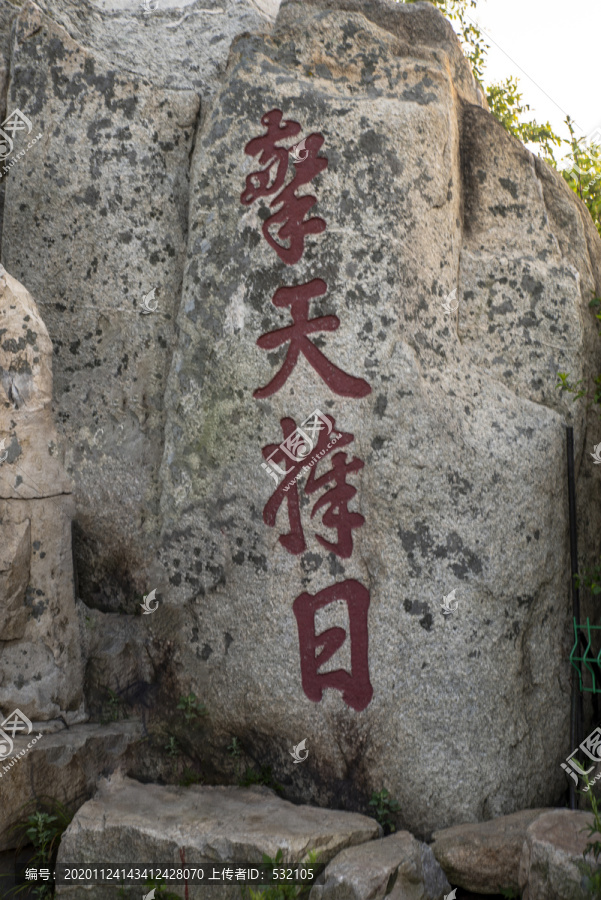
{"x": 398, "y": 867}
{"x": 41, "y": 667}
{"x": 131, "y": 822}
{"x": 63, "y": 765}
{"x": 453, "y": 291}
{"x": 449, "y": 275}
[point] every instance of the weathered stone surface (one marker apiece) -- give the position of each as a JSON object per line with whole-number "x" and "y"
{"x": 462, "y": 435}
{"x": 551, "y": 861}
{"x": 102, "y": 200}
{"x": 15, "y": 554}
{"x": 392, "y": 866}
{"x": 40, "y": 660}
{"x": 118, "y": 655}
{"x": 130, "y": 821}
{"x": 179, "y": 44}
{"x": 484, "y": 857}
{"x": 64, "y": 764}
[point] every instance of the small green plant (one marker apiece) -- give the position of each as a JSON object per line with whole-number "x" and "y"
{"x": 191, "y": 707}
{"x": 510, "y": 893}
{"x": 234, "y": 749}
{"x": 113, "y": 708}
{"x": 385, "y": 809}
{"x": 592, "y": 872}
{"x": 43, "y": 829}
{"x": 262, "y": 776}
{"x": 279, "y": 890}
{"x": 172, "y": 747}
{"x": 590, "y": 578}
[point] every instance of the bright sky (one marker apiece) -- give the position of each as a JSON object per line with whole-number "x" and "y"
{"x": 554, "y": 42}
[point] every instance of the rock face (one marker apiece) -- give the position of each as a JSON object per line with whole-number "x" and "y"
{"x": 177, "y": 44}
{"x": 116, "y": 95}
{"x": 461, "y": 436}
{"x": 551, "y": 863}
{"x": 485, "y": 858}
{"x": 40, "y": 660}
{"x": 397, "y": 867}
{"x": 63, "y": 764}
{"x": 131, "y": 822}
{"x": 436, "y": 276}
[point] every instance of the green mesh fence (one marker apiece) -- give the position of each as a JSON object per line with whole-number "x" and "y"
{"x": 588, "y": 665}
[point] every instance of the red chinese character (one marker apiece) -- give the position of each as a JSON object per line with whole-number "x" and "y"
{"x": 287, "y": 490}
{"x": 298, "y": 298}
{"x": 290, "y": 217}
{"x": 257, "y": 183}
{"x": 355, "y": 686}
{"x": 337, "y": 499}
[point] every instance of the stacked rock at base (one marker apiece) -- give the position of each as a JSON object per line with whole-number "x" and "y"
{"x": 41, "y": 670}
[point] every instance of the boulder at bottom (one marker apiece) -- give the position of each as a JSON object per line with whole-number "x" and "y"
{"x": 398, "y": 866}
{"x": 131, "y": 823}
{"x": 62, "y": 765}
{"x": 484, "y": 857}
{"x": 551, "y": 867}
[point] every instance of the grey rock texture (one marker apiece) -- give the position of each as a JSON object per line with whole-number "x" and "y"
{"x": 63, "y": 765}
{"x": 397, "y": 866}
{"x": 118, "y": 655}
{"x": 134, "y": 822}
{"x": 485, "y": 857}
{"x": 41, "y": 666}
{"x": 176, "y": 45}
{"x": 462, "y": 435}
{"x": 96, "y": 217}
{"x": 551, "y": 862}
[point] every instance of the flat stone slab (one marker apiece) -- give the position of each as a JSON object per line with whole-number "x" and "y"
{"x": 64, "y": 765}
{"x": 551, "y": 862}
{"x": 398, "y": 866}
{"x": 131, "y": 823}
{"x": 484, "y": 857}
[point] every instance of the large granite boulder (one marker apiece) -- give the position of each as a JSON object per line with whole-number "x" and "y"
{"x": 446, "y": 405}
{"x": 41, "y": 666}
{"x": 131, "y": 822}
